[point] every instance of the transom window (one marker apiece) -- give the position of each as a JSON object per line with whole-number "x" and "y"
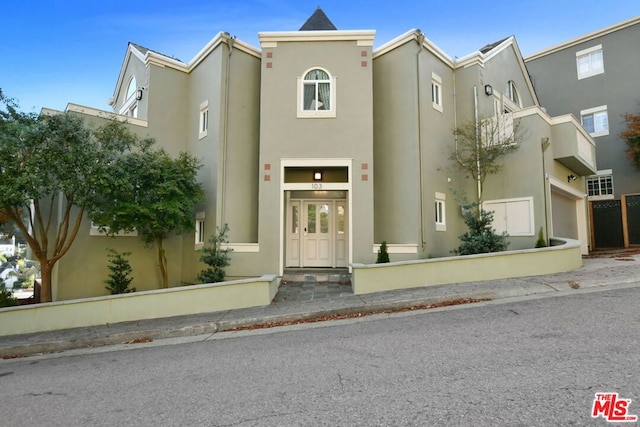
{"x": 596, "y": 121}
{"x": 590, "y": 62}
{"x": 601, "y": 186}
{"x": 317, "y": 94}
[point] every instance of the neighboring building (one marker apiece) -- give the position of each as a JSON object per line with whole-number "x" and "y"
{"x": 7, "y": 246}
{"x": 317, "y": 147}
{"x": 595, "y": 78}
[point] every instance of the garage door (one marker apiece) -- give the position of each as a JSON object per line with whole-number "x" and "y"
{"x": 564, "y": 216}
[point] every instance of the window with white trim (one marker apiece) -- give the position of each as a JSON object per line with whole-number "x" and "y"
{"x": 513, "y": 94}
{"x": 436, "y": 91}
{"x": 317, "y": 94}
{"x": 131, "y": 89}
{"x": 440, "y": 213}
{"x": 204, "y": 120}
{"x": 200, "y": 228}
{"x": 590, "y": 62}
{"x": 600, "y": 186}
{"x": 595, "y": 121}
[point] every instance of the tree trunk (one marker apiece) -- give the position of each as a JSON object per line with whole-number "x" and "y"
{"x": 162, "y": 263}
{"x": 45, "y": 282}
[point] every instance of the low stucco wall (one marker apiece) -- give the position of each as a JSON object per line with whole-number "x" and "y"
{"x": 566, "y": 256}
{"x": 139, "y": 306}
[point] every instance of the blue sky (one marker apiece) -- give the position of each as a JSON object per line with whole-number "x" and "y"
{"x": 59, "y": 51}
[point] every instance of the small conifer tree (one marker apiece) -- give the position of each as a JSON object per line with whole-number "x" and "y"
{"x": 481, "y": 237}
{"x": 119, "y": 273}
{"x": 541, "y": 243}
{"x": 215, "y": 257}
{"x": 383, "y": 254}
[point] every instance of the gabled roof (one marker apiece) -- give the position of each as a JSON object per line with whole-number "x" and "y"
{"x": 492, "y": 46}
{"x": 143, "y": 50}
{"x": 318, "y": 21}
{"x": 587, "y": 37}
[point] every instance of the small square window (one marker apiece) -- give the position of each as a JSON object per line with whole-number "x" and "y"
{"x": 436, "y": 91}
{"x": 600, "y": 186}
{"x": 596, "y": 121}
{"x": 440, "y": 212}
{"x": 204, "y": 120}
{"x": 199, "y": 231}
{"x": 590, "y": 62}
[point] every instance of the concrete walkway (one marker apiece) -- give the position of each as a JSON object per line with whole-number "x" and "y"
{"x": 605, "y": 271}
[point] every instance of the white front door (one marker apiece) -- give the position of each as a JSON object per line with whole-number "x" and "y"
{"x": 317, "y": 234}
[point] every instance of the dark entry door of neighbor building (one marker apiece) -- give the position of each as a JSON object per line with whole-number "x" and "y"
{"x": 607, "y": 224}
{"x": 633, "y": 218}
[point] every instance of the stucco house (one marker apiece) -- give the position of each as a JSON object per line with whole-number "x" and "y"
{"x": 595, "y": 78}
{"x": 317, "y": 147}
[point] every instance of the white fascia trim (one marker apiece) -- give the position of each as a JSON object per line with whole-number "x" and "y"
{"x": 271, "y": 39}
{"x": 242, "y": 247}
{"x": 585, "y": 38}
{"x": 130, "y": 51}
{"x": 556, "y": 120}
{"x": 565, "y": 189}
{"x": 105, "y": 114}
{"x": 410, "y": 36}
{"x": 398, "y": 248}
{"x": 163, "y": 61}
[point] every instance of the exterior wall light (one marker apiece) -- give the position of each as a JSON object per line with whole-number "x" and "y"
{"x": 317, "y": 176}
{"x": 571, "y": 177}
{"x": 488, "y": 90}
{"x": 139, "y": 94}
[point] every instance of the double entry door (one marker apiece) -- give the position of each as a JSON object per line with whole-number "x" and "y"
{"x": 317, "y": 233}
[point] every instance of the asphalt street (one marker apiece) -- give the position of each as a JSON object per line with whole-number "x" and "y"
{"x": 535, "y": 362}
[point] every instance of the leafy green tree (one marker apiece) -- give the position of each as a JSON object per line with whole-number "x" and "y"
{"x": 481, "y": 237}
{"x": 151, "y": 193}
{"x": 50, "y": 168}
{"x": 119, "y": 273}
{"x": 480, "y": 145}
{"x": 632, "y": 137}
{"x": 215, "y": 257}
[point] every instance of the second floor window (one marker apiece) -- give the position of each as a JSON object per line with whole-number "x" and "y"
{"x": 590, "y": 62}
{"x": 596, "y": 121}
{"x": 317, "y": 90}
{"x": 317, "y": 94}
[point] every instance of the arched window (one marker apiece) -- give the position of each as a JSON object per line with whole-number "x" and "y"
{"x": 131, "y": 89}
{"x": 317, "y": 94}
{"x": 317, "y": 90}
{"x": 512, "y": 93}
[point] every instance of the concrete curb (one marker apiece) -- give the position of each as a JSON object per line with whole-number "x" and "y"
{"x": 211, "y": 323}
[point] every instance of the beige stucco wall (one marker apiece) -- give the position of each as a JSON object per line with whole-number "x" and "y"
{"x": 138, "y": 306}
{"x": 348, "y": 135}
{"x": 469, "y": 268}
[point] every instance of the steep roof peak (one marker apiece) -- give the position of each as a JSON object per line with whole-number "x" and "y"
{"x": 491, "y": 46}
{"x": 318, "y": 21}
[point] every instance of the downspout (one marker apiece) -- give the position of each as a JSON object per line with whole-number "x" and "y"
{"x": 225, "y": 128}
{"x": 544, "y": 145}
{"x": 420, "y": 40}
{"x": 475, "y": 115}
